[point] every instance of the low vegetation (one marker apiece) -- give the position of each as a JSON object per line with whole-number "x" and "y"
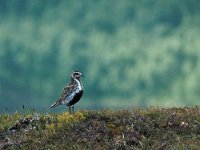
{"x": 151, "y": 128}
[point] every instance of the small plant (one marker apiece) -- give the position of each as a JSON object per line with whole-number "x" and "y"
{"x": 151, "y": 128}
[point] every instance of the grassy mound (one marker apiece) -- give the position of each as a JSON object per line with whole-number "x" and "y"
{"x": 152, "y": 128}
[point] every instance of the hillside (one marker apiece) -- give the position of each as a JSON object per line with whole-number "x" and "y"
{"x": 152, "y": 128}
{"x": 149, "y": 47}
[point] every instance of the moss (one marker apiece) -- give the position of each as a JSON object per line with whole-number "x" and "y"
{"x": 152, "y": 128}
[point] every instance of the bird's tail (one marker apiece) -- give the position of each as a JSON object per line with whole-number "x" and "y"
{"x": 54, "y": 105}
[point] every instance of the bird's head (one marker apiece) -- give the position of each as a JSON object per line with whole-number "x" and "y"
{"x": 76, "y": 75}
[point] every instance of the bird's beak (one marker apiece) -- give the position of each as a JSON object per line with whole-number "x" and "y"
{"x": 82, "y": 75}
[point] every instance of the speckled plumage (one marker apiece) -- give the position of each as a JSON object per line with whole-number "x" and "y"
{"x": 71, "y": 93}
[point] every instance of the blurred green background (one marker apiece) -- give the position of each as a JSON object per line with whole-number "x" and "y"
{"x": 132, "y": 53}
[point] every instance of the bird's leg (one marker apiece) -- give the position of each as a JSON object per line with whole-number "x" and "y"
{"x": 70, "y": 110}
{"x": 73, "y": 109}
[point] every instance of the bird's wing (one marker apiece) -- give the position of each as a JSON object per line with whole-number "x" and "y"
{"x": 67, "y": 90}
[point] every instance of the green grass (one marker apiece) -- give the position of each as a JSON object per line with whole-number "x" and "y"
{"x": 152, "y": 128}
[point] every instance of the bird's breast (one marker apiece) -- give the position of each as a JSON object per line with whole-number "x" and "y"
{"x": 76, "y": 98}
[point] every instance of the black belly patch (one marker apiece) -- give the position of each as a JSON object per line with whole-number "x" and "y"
{"x": 76, "y": 98}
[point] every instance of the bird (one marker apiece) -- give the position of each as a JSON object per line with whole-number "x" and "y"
{"x": 71, "y": 93}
